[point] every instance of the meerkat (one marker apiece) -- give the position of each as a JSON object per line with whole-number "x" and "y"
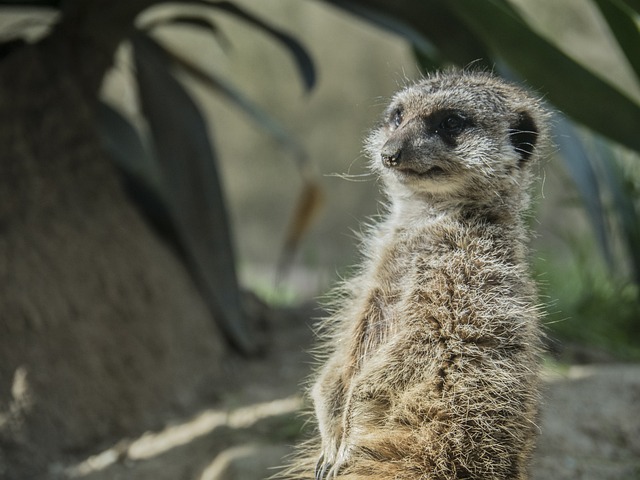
{"x": 432, "y": 353}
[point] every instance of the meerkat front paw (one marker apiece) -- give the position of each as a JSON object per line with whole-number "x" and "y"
{"x": 325, "y": 462}
{"x": 331, "y": 461}
{"x": 329, "y": 402}
{"x": 323, "y": 466}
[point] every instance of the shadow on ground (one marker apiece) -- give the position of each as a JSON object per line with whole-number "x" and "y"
{"x": 590, "y": 424}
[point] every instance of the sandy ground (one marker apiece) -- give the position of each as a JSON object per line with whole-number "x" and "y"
{"x": 590, "y": 424}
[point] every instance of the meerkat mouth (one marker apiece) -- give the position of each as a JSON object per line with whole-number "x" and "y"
{"x": 431, "y": 172}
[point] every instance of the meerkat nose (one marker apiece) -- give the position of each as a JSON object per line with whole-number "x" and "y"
{"x": 391, "y": 154}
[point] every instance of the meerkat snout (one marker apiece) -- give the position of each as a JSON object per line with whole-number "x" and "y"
{"x": 412, "y": 145}
{"x": 391, "y": 153}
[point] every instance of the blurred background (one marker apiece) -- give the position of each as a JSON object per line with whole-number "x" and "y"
{"x": 584, "y": 246}
{"x": 180, "y": 182}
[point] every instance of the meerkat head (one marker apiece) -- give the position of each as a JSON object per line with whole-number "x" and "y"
{"x": 457, "y": 135}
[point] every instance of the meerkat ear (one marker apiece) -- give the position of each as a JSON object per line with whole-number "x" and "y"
{"x": 523, "y": 135}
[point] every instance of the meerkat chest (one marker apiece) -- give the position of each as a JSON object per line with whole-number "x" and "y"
{"x": 383, "y": 301}
{"x": 412, "y": 266}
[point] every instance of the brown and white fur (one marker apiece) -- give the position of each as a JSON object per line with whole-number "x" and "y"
{"x": 431, "y": 367}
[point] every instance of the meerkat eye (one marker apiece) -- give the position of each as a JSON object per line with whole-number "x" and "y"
{"x": 453, "y": 124}
{"x": 447, "y": 124}
{"x": 396, "y": 118}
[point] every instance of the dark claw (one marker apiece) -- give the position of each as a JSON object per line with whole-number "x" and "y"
{"x": 319, "y": 464}
{"x": 321, "y": 468}
{"x": 326, "y": 467}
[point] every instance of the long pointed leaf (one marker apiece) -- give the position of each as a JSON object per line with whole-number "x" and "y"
{"x": 125, "y": 145}
{"x": 431, "y": 18}
{"x": 300, "y": 55}
{"x": 258, "y": 115}
{"x": 633, "y": 5}
{"x": 192, "y": 185}
{"x": 624, "y": 27}
{"x": 9, "y": 46}
{"x": 623, "y": 203}
{"x": 31, "y": 3}
{"x": 307, "y": 208}
{"x": 581, "y": 170}
{"x": 567, "y": 84}
{"x": 394, "y": 25}
{"x": 192, "y": 21}
{"x": 139, "y": 172}
{"x": 310, "y": 200}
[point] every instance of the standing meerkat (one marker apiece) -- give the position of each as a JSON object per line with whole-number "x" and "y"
{"x": 432, "y": 357}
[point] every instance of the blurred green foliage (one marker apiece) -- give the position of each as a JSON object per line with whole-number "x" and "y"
{"x": 586, "y": 305}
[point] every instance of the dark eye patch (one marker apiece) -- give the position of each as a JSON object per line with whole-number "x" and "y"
{"x": 448, "y": 124}
{"x": 452, "y": 124}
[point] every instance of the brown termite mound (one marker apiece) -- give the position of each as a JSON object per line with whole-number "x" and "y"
{"x": 430, "y": 358}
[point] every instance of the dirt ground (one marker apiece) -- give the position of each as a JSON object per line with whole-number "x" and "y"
{"x": 590, "y": 427}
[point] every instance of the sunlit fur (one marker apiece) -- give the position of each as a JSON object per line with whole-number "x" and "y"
{"x": 429, "y": 360}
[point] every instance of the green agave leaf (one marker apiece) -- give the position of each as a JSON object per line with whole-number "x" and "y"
{"x": 622, "y": 22}
{"x": 421, "y": 44}
{"x": 623, "y": 203}
{"x": 31, "y": 3}
{"x": 632, "y": 4}
{"x": 308, "y": 206}
{"x": 192, "y": 21}
{"x": 122, "y": 141}
{"x": 139, "y": 172}
{"x": 430, "y": 19}
{"x": 577, "y": 161}
{"x": 192, "y": 187}
{"x": 301, "y": 57}
{"x": 571, "y": 87}
{"x": 427, "y": 62}
{"x": 220, "y": 86}
{"x": 311, "y": 197}
{"x": 7, "y": 47}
